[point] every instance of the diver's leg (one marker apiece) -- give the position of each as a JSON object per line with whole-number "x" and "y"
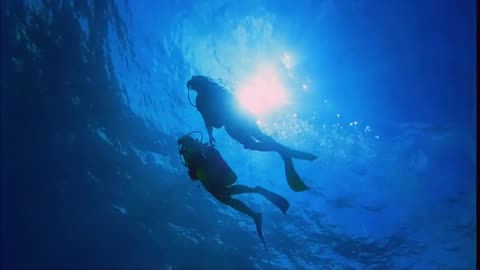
{"x": 250, "y": 135}
{"x": 240, "y": 136}
{"x": 298, "y": 154}
{"x": 239, "y": 189}
{"x": 247, "y": 132}
{"x": 241, "y": 207}
{"x": 266, "y": 143}
{"x": 271, "y": 145}
{"x": 274, "y": 198}
{"x": 293, "y": 179}
{"x": 262, "y": 142}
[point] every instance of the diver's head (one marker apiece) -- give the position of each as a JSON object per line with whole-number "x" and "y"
{"x": 188, "y": 142}
{"x": 198, "y": 83}
{"x": 186, "y": 139}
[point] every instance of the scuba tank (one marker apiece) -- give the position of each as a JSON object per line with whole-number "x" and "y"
{"x": 204, "y": 162}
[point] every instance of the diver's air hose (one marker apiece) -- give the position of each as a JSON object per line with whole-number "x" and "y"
{"x": 196, "y": 131}
{"x": 189, "y": 100}
{"x": 180, "y": 148}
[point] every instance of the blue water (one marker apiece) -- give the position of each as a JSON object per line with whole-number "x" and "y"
{"x": 95, "y": 99}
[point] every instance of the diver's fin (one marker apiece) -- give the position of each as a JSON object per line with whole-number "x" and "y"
{"x": 274, "y": 198}
{"x": 293, "y": 179}
{"x": 258, "y": 224}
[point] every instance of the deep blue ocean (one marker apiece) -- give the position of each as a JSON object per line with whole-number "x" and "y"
{"x": 94, "y": 98}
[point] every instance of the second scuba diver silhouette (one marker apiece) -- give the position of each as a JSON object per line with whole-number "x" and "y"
{"x": 205, "y": 163}
{"x": 218, "y": 108}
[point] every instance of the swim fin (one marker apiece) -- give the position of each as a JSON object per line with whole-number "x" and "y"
{"x": 293, "y": 179}
{"x": 258, "y": 224}
{"x": 274, "y": 198}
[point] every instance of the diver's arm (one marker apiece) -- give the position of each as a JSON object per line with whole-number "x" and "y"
{"x": 209, "y": 128}
{"x": 210, "y": 133}
{"x": 206, "y": 120}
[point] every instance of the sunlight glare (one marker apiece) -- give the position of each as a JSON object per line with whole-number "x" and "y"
{"x": 262, "y": 93}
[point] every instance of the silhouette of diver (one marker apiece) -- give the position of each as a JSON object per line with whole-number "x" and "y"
{"x": 205, "y": 163}
{"x": 218, "y": 108}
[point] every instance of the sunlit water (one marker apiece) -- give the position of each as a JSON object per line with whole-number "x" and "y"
{"x": 382, "y": 92}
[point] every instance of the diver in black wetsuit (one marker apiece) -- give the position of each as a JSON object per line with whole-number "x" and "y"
{"x": 205, "y": 163}
{"x": 217, "y": 107}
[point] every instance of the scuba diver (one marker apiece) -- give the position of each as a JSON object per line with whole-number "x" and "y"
{"x": 218, "y": 108}
{"x": 205, "y": 163}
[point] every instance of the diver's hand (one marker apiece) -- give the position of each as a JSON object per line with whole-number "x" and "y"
{"x": 212, "y": 141}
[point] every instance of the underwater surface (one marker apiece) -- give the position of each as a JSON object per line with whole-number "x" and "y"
{"x": 94, "y": 99}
